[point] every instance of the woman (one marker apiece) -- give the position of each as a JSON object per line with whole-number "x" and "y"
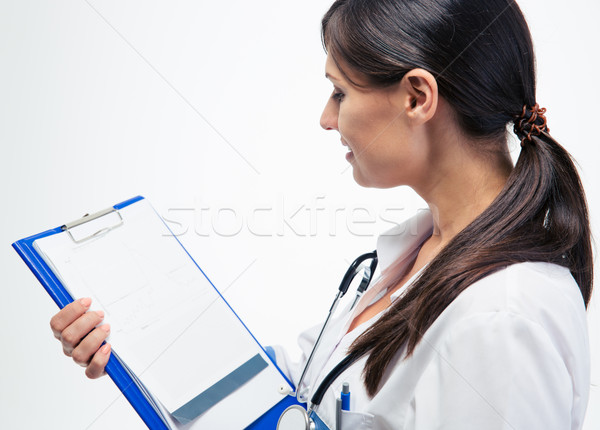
{"x": 478, "y": 320}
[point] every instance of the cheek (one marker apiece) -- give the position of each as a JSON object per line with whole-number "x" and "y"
{"x": 385, "y": 154}
{"x": 358, "y": 126}
{"x": 349, "y": 124}
{"x": 390, "y": 158}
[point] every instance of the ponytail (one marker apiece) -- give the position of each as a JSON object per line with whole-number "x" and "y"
{"x": 566, "y": 234}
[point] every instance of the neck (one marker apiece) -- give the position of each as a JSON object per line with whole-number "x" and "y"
{"x": 456, "y": 209}
{"x": 466, "y": 181}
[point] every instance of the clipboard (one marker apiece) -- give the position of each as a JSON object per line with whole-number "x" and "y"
{"x": 147, "y": 407}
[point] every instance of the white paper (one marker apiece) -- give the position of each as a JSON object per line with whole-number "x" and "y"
{"x": 168, "y": 323}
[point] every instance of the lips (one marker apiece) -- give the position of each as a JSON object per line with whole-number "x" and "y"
{"x": 345, "y": 144}
{"x": 349, "y": 154}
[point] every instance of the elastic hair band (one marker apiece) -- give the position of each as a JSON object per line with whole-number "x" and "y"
{"x": 531, "y": 122}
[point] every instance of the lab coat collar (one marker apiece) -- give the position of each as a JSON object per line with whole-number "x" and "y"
{"x": 399, "y": 245}
{"x": 404, "y": 239}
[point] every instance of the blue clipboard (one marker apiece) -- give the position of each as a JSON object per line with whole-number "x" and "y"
{"x": 131, "y": 388}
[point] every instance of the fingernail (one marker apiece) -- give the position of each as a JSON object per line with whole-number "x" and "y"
{"x": 105, "y": 327}
{"x": 100, "y": 314}
{"x": 85, "y": 302}
{"x": 105, "y": 349}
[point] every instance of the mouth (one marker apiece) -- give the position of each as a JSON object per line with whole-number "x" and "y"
{"x": 349, "y": 154}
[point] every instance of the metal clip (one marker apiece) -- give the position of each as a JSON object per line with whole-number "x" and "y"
{"x": 87, "y": 218}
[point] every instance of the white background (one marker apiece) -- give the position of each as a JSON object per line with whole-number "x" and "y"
{"x": 210, "y": 110}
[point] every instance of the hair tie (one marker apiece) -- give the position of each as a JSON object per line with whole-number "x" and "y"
{"x": 531, "y": 122}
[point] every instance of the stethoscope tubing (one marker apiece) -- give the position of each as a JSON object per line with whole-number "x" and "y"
{"x": 350, "y": 359}
{"x": 342, "y": 290}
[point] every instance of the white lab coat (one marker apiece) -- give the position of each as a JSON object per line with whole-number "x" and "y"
{"x": 511, "y": 352}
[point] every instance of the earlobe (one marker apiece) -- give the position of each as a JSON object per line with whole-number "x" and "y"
{"x": 422, "y": 95}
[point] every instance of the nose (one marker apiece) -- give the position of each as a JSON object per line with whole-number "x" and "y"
{"x": 329, "y": 117}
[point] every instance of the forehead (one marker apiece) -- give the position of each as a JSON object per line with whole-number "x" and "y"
{"x": 332, "y": 72}
{"x": 347, "y": 76}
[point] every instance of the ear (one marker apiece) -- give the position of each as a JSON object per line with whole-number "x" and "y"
{"x": 421, "y": 95}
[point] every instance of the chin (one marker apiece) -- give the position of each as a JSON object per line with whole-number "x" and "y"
{"x": 359, "y": 178}
{"x": 367, "y": 181}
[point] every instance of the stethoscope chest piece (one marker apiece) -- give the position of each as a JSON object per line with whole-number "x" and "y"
{"x": 295, "y": 417}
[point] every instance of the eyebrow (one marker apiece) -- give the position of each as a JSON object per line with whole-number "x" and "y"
{"x": 328, "y": 76}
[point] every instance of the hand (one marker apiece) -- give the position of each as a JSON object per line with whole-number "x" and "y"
{"x": 75, "y": 326}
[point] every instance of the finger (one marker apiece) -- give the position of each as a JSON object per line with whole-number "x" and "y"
{"x": 98, "y": 363}
{"x": 89, "y": 345}
{"x": 68, "y": 314}
{"x": 78, "y": 329}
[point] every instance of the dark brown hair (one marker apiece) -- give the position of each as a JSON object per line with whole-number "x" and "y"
{"x": 481, "y": 53}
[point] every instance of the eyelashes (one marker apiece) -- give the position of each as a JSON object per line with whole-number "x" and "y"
{"x": 337, "y": 96}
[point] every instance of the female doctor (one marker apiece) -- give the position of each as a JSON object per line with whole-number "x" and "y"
{"x": 478, "y": 320}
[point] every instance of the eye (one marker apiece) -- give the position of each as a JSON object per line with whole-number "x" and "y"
{"x": 337, "y": 95}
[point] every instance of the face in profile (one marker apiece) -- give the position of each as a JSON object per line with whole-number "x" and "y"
{"x": 373, "y": 126}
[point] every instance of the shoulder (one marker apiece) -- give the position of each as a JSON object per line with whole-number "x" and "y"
{"x": 536, "y": 291}
{"x": 526, "y": 304}
{"x": 527, "y": 323}
{"x": 510, "y": 345}
{"x": 541, "y": 299}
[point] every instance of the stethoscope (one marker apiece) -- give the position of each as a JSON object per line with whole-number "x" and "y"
{"x": 296, "y": 417}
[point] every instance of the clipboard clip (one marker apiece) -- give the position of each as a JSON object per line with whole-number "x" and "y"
{"x": 90, "y": 217}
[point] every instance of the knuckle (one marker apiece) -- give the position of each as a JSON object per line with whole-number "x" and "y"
{"x": 90, "y": 319}
{"x": 68, "y": 338}
{"x": 95, "y": 318}
{"x": 80, "y": 357}
{"x": 54, "y": 323}
{"x": 95, "y": 368}
{"x": 74, "y": 306}
{"x": 89, "y": 372}
{"x": 102, "y": 334}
